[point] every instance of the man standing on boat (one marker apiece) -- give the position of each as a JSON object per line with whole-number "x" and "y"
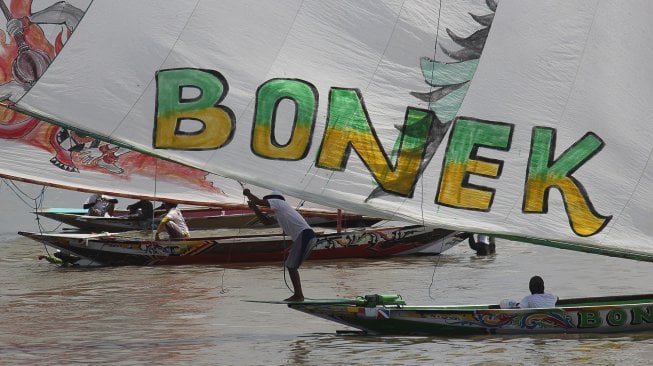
{"x": 173, "y": 223}
{"x": 294, "y": 225}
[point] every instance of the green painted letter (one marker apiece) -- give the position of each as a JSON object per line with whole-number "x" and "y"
{"x": 172, "y": 108}
{"x": 589, "y": 319}
{"x": 641, "y": 315}
{"x": 349, "y": 127}
{"x": 616, "y": 317}
{"x": 461, "y": 160}
{"x": 545, "y": 173}
{"x": 268, "y": 97}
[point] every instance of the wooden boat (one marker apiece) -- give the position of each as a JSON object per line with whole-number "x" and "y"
{"x": 197, "y": 218}
{"x": 116, "y": 250}
{"x": 389, "y": 315}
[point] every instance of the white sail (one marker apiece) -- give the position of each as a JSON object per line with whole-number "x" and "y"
{"x": 352, "y": 104}
{"x": 38, "y": 152}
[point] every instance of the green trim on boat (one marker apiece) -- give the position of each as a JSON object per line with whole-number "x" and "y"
{"x": 585, "y": 248}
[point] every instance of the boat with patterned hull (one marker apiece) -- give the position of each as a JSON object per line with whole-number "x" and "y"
{"x": 389, "y": 315}
{"x": 116, "y": 250}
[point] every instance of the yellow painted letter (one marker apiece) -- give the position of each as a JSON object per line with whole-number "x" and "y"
{"x": 461, "y": 160}
{"x": 349, "y": 127}
{"x": 195, "y": 122}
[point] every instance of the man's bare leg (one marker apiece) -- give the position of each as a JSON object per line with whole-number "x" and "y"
{"x": 296, "y": 284}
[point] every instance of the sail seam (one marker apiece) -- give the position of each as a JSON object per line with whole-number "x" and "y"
{"x": 387, "y": 44}
{"x": 573, "y": 87}
{"x": 136, "y": 102}
{"x": 435, "y": 52}
{"x": 267, "y": 72}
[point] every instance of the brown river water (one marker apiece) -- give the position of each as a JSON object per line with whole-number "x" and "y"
{"x": 195, "y": 315}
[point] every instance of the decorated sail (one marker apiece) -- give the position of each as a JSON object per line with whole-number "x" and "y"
{"x": 526, "y": 119}
{"x": 39, "y": 152}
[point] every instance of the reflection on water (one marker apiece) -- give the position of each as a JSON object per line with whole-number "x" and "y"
{"x": 195, "y": 314}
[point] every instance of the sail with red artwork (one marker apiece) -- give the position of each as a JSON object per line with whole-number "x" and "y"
{"x": 35, "y": 151}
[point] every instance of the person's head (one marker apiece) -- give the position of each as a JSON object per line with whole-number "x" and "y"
{"x": 274, "y": 195}
{"x": 169, "y": 205}
{"x": 536, "y": 285}
{"x": 108, "y": 198}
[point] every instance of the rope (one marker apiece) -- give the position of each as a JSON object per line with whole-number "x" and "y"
{"x": 283, "y": 265}
{"x": 435, "y": 50}
{"x": 37, "y": 204}
{"x": 283, "y": 260}
{"x": 435, "y": 266}
{"x": 222, "y": 289}
{"x": 156, "y": 174}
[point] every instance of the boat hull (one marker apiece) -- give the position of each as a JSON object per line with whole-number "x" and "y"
{"x": 114, "y": 250}
{"x": 587, "y": 315}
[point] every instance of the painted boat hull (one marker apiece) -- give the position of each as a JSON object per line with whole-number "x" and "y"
{"x": 585, "y": 315}
{"x": 196, "y": 218}
{"x": 114, "y": 250}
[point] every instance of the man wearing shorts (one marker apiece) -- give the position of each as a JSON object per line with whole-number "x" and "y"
{"x": 295, "y": 226}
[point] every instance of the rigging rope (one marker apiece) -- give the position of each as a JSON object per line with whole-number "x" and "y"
{"x": 156, "y": 174}
{"x": 283, "y": 261}
{"x": 435, "y": 51}
{"x": 38, "y": 204}
{"x": 435, "y": 266}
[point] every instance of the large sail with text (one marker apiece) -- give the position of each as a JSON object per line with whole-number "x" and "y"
{"x": 39, "y": 152}
{"x": 527, "y": 119}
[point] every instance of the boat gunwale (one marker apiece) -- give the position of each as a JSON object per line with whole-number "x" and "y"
{"x": 563, "y": 304}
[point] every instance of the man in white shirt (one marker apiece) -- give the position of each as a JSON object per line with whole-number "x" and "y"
{"x": 173, "y": 223}
{"x": 295, "y": 226}
{"x": 484, "y": 245}
{"x": 538, "y": 298}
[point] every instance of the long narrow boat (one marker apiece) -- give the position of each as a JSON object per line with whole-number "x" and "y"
{"x": 197, "y": 218}
{"x": 115, "y": 250}
{"x": 388, "y": 315}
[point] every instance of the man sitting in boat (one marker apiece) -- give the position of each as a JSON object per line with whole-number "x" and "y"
{"x": 173, "y": 223}
{"x": 294, "y": 225}
{"x": 100, "y": 205}
{"x": 142, "y": 209}
{"x": 538, "y": 298}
